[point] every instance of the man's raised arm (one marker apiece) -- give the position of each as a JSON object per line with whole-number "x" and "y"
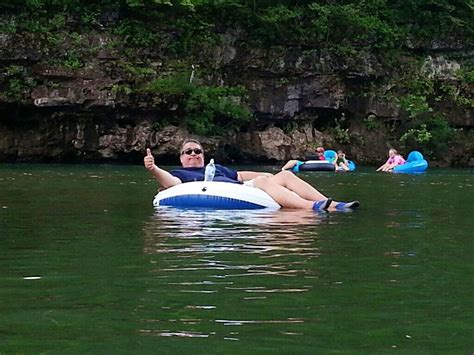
{"x": 163, "y": 177}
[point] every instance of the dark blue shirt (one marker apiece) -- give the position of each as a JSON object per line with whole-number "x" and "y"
{"x": 223, "y": 174}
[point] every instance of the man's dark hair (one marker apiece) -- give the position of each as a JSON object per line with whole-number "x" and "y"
{"x": 190, "y": 140}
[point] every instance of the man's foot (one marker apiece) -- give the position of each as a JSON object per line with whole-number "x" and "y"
{"x": 322, "y": 205}
{"x": 347, "y": 205}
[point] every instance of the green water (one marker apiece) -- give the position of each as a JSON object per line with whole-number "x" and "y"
{"x": 87, "y": 266}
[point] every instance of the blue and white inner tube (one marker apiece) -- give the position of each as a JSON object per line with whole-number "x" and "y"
{"x": 215, "y": 195}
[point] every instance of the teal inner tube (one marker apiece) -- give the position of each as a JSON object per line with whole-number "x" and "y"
{"x": 331, "y": 156}
{"x": 415, "y": 164}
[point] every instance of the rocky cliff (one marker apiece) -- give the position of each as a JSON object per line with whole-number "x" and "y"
{"x": 86, "y": 106}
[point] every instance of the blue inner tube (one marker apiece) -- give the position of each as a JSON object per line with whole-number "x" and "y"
{"x": 331, "y": 156}
{"x": 415, "y": 164}
{"x": 352, "y": 165}
{"x": 209, "y": 201}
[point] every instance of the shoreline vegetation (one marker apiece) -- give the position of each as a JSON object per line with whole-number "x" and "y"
{"x": 366, "y": 75}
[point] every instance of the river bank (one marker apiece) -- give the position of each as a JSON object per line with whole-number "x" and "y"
{"x": 101, "y": 82}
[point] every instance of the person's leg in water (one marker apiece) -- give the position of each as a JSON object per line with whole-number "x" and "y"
{"x": 305, "y": 191}
{"x": 289, "y": 199}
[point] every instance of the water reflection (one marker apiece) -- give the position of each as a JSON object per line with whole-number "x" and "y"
{"x": 207, "y": 231}
{"x": 276, "y": 218}
{"x": 207, "y": 260}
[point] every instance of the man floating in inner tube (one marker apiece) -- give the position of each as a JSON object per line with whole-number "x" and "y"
{"x": 284, "y": 187}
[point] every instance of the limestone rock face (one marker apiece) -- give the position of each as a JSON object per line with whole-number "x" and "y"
{"x": 119, "y": 140}
{"x": 276, "y": 145}
{"x": 87, "y": 110}
{"x": 441, "y": 68}
{"x": 289, "y": 100}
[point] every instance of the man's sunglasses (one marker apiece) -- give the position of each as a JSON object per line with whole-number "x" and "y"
{"x": 190, "y": 151}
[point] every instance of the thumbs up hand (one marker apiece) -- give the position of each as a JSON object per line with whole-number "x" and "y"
{"x": 149, "y": 160}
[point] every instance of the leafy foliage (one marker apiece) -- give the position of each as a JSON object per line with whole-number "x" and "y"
{"x": 419, "y": 134}
{"x": 180, "y": 27}
{"x": 431, "y": 135}
{"x": 414, "y": 104}
{"x": 206, "y": 110}
{"x": 136, "y": 33}
{"x": 371, "y": 122}
{"x": 341, "y": 134}
{"x": 376, "y": 23}
{"x": 17, "y": 83}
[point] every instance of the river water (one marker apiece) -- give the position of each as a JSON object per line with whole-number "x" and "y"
{"x": 87, "y": 265}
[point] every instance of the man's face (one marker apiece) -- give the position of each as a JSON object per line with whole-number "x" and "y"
{"x": 192, "y": 156}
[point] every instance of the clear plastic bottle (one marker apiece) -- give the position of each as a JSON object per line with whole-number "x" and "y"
{"x": 210, "y": 171}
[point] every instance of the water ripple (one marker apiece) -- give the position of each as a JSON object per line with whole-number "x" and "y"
{"x": 270, "y": 233}
{"x": 208, "y": 258}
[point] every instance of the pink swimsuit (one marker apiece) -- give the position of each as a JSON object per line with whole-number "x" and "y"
{"x": 397, "y": 159}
